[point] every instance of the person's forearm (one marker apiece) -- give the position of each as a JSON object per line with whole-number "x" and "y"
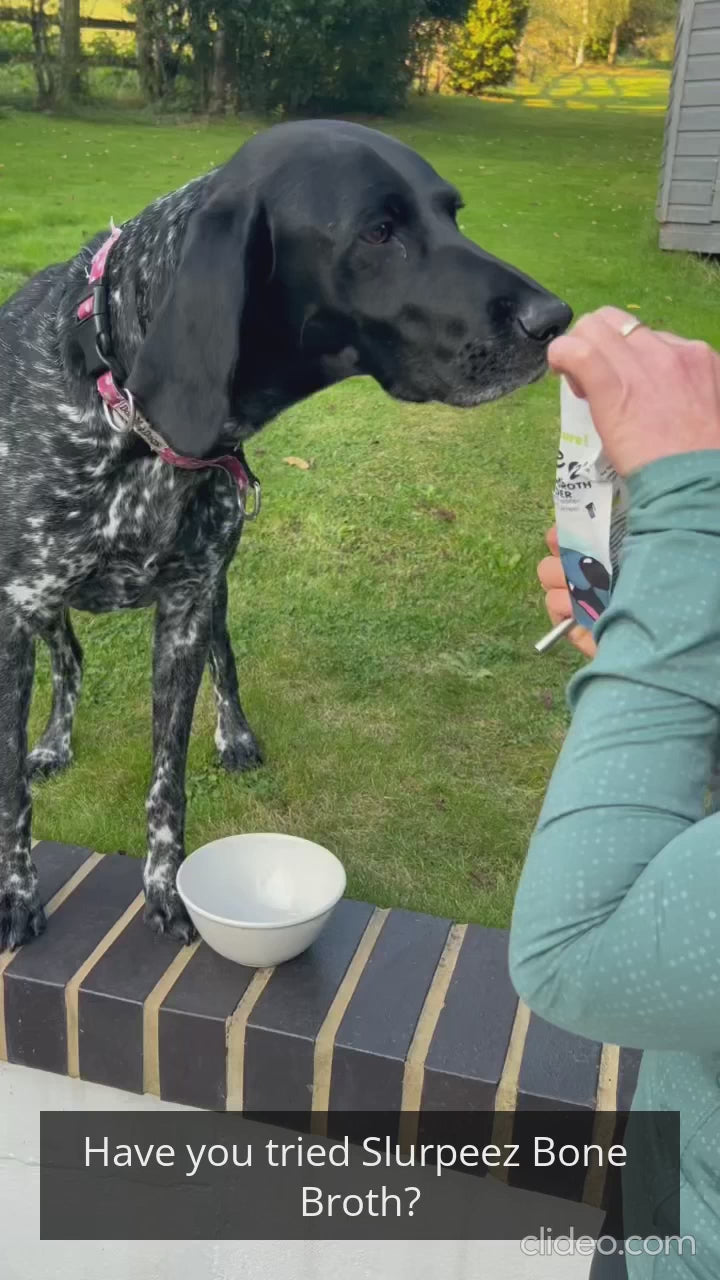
{"x": 613, "y": 931}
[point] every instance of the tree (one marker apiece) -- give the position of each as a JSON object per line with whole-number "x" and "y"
{"x": 484, "y": 51}
{"x": 602, "y": 24}
{"x": 591, "y": 30}
{"x": 220, "y": 87}
{"x": 584, "y": 34}
{"x": 162, "y": 31}
{"x": 648, "y": 20}
{"x": 43, "y": 64}
{"x": 70, "y": 77}
{"x": 318, "y": 56}
{"x": 430, "y": 35}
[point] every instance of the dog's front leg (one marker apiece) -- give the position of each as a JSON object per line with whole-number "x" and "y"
{"x": 182, "y": 640}
{"x": 234, "y": 739}
{"x": 21, "y": 914}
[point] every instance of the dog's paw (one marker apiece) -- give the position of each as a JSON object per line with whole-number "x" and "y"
{"x": 239, "y": 753}
{"x": 43, "y": 762}
{"x": 165, "y": 913}
{"x": 22, "y": 917}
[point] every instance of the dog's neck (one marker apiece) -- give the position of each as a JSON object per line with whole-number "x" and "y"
{"x": 274, "y": 371}
{"x": 272, "y": 375}
{"x": 142, "y": 263}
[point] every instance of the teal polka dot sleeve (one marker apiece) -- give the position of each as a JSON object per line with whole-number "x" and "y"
{"x": 616, "y": 927}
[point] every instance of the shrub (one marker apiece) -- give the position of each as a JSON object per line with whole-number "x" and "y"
{"x": 15, "y": 41}
{"x": 484, "y": 51}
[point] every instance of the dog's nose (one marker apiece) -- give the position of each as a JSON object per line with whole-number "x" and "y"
{"x": 542, "y": 317}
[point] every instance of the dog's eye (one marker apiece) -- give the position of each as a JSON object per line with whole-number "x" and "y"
{"x": 379, "y": 234}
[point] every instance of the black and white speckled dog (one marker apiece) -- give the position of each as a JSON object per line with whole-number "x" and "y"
{"x": 321, "y": 250}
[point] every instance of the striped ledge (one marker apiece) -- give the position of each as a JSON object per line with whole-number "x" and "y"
{"x": 388, "y": 1011}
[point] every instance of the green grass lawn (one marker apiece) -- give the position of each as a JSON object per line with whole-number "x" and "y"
{"x": 384, "y": 607}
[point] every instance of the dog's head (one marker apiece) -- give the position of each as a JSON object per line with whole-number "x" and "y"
{"x": 326, "y": 249}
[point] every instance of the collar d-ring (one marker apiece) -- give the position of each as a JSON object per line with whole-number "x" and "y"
{"x": 120, "y": 411}
{"x": 254, "y": 511}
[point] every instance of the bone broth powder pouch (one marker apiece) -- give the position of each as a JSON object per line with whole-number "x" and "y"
{"x": 590, "y": 510}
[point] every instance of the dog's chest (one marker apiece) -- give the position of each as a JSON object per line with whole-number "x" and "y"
{"x": 118, "y": 540}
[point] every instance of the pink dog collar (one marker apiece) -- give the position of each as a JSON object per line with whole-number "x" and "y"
{"x": 119, "y": 407}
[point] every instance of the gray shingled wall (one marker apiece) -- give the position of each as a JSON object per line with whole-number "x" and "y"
{"x": 688, "y": 206}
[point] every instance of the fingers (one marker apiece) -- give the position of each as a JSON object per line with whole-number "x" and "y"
{"x": 550, "y": 573}
{"x": 671, "y": 339}
{"x": 597, "y": 339}
{"x": 596, "y": 357}
{"x": 557, "y": 596}
{"x": 551, "y": 540}
{"x": 583, "y": 641}
{"x": 617, "y": 319}
{"x": 557, "y": 603}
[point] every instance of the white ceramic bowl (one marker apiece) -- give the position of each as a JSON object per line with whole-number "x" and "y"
{"x": 260, "y": 899}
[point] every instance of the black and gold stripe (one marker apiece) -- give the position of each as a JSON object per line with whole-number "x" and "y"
{"x": 290, "y": 1018}
{"x": 605, "y": 1121}
{"x": 64, "y": 866}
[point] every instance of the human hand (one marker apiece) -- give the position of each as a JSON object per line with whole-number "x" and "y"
{"x": 557, "y": 596}
{"x": 651, "y": 394}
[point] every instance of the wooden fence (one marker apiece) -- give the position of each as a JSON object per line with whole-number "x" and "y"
{"x": 43, "y": 55}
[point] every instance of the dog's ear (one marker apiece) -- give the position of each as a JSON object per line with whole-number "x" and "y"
{"x": 182, "y": 375}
